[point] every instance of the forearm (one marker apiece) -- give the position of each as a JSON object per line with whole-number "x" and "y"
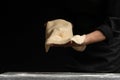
{"x": 94, "y": 37}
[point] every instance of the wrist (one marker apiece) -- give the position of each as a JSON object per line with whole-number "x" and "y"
{"x": 87, "y": 40}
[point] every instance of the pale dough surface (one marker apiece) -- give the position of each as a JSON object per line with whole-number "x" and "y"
{"x": 59, "y": 32}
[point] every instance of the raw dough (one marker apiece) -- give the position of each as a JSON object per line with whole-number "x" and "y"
{"x": 79, "y": 40}
{"x": 58, "y": 32}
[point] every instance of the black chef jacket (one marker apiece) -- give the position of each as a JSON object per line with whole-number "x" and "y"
{"x": 86, "y": 16}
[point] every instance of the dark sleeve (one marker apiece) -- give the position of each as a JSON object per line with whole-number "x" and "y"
{"x": 112, "y": 21}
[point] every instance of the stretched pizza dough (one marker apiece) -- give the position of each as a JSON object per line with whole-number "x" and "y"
{"x": 58, "y": 32}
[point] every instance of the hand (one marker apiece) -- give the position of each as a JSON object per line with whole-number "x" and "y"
{"x": 79, "y": 48}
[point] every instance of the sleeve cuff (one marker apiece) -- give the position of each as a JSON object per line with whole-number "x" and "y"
{"x": 106, "y": 30}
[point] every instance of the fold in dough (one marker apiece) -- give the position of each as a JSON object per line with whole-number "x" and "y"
{"x": 58, "y": 32}
{"x": 79, "y": 40}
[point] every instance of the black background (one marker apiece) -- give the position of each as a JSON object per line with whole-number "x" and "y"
{"x": 23, "y": 35}
{"x": 22, "y": 39}
{"x": 22, "y": 45}
{"x": 22, "y": 32}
